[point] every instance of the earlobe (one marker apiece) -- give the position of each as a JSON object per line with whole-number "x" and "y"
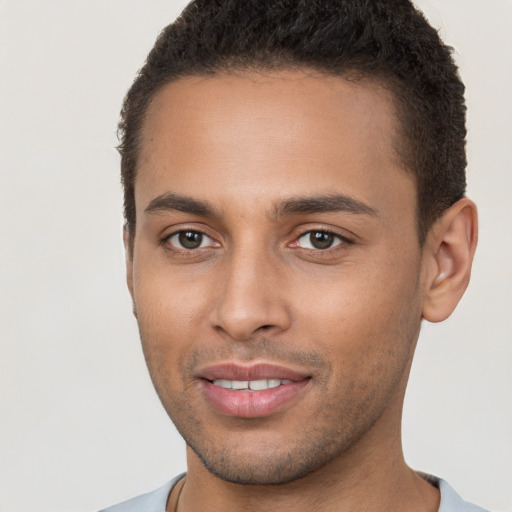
{"x": 450, "y": 248}
{"x": 128, "y": 248}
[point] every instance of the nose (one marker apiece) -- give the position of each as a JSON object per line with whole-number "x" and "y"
{"x": 251, "y": 297}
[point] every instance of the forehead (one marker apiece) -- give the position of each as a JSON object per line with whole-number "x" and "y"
{"x": 269, "y": 134}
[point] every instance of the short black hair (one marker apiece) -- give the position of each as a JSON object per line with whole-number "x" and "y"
{"x": 387, "y": 41}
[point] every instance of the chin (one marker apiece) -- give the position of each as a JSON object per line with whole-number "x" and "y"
{"x": 258, "y": 473}
{"x": 270, "y": 464}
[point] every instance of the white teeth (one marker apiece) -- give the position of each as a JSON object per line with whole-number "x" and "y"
{"x": 223, "y": 383}
{"x": 239, "y": 384}
{"x": 273, "y": 383}
{"x": 251, "y": 385}
{"x": 258, "y": 385}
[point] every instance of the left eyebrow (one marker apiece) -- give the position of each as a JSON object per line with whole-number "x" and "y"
{"x": 324, "y": 204}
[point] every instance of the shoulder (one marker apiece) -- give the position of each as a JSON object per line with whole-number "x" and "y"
{"x": 452, "y": 502}
{"x": 154, "y": 501}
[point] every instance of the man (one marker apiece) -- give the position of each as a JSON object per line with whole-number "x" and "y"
{"x": 294, "y": 200}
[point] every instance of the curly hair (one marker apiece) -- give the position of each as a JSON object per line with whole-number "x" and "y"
{"x": 388, "y": 41}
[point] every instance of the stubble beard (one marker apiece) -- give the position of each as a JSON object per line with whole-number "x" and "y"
{"x": 310, "y": 453}
{"x": 331, "y": 431}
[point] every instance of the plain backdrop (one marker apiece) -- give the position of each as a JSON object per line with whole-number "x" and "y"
{"x": 80, "y": 424}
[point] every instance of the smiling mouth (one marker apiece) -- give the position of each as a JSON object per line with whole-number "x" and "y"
{"x": 251, "y": 391}
{"x": 253, "y": 398}
{"x": 251, "y": 385}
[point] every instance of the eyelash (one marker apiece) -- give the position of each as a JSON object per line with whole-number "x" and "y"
{"x": 166, "y": 241}
{"x": 343, "y": 241}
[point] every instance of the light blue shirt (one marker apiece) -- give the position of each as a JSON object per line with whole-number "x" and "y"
{"x": 156, "y": 500}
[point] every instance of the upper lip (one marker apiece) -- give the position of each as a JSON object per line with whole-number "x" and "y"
{"x": 259, "y": 371}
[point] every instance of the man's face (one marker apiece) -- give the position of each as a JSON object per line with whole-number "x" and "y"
{"x": 276, "y": 243}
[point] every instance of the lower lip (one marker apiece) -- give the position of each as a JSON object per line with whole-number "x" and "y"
{"x": 252, "y": 404}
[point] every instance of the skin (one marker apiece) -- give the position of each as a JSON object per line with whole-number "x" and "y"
{"x": 249, "y": 147}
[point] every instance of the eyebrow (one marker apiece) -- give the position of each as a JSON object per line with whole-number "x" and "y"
{"x": 171, "y": 201}
{"x": 324, "y": 204}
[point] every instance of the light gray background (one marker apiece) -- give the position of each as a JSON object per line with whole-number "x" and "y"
{"x": 80, "y": 424}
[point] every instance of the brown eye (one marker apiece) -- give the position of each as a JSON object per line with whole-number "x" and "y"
{"x": 320, "y": 240}
{"x": 190, "y": 240}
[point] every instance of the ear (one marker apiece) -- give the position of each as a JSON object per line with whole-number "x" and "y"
{"x": 448, "y": 256}
{"x": 128, "y": 250}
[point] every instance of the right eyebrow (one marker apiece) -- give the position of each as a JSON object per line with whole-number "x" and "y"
{"x": 171, "y": 201}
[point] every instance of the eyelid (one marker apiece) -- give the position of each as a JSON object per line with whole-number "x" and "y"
{"x": 166, "y": 239}
{"x": 204, "y": 240}
{"x": 335, "y": 235}
{"x": 343, "y": 236}
{"x": 299, "y": 233}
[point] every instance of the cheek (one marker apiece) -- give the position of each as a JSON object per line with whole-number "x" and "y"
{"x": 369, "y": 341}
{"x": 170, "y": 314}
{"x": 364, "y": 317}
{"x": 167, "y": 302}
